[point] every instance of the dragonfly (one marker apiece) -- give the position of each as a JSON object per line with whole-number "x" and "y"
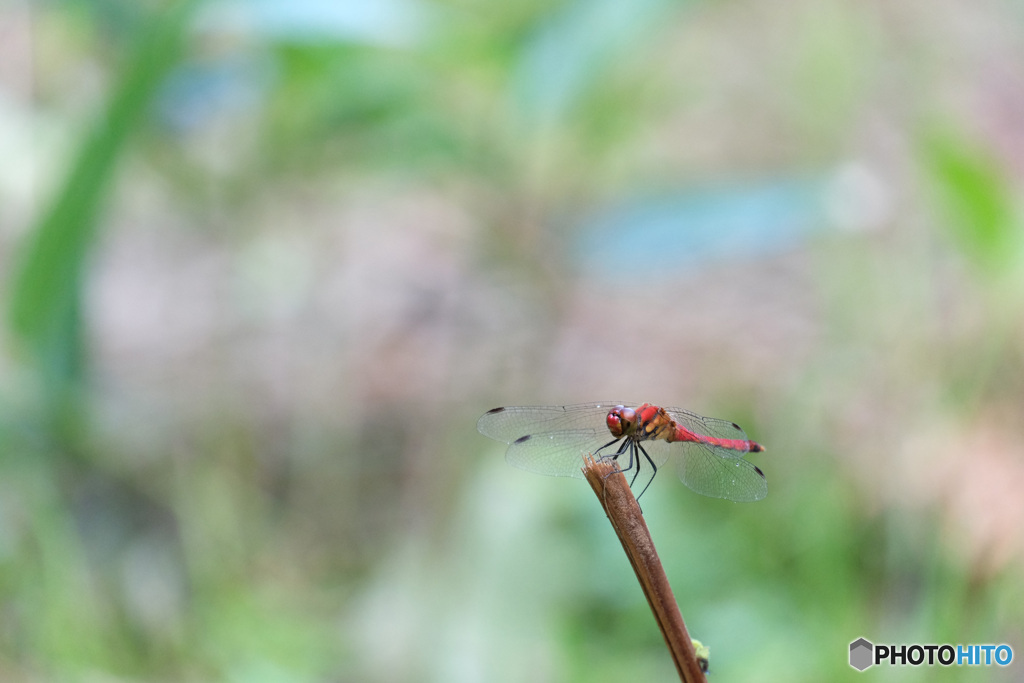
{"x": 707, "y": 453}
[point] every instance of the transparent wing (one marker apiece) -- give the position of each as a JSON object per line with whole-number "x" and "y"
{"x": 702, "y": 469}
{"x": 512, "y": 422}
{"x": 658, "y": 450}
{"x": 713, "y": 427}
{"x": 558, "y": 454}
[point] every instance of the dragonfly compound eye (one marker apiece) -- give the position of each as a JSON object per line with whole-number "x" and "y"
{"x": 620, "y": 420}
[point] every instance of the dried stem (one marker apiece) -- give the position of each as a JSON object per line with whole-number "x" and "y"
{"x": 624, "y": 513}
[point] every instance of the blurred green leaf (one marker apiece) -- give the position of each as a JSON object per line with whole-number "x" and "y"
{"x": 974, "y": 198}
{"x": 45, "y": 305}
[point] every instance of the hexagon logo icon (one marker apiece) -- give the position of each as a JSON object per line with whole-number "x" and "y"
{"x": 861, "y": 651}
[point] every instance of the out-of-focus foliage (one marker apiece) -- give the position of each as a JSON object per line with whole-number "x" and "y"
{"x": 978, "y": 202}
{"x": 46, "y": 295}
{"x": 265, "y": 263}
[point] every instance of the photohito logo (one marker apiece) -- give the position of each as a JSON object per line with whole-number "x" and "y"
{"x": 864, "y": 653}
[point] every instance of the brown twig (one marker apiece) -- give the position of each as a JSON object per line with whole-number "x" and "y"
{"x": 624, "y": 513}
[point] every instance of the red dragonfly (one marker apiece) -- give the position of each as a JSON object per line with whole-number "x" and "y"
{"x": 707, "y": 453}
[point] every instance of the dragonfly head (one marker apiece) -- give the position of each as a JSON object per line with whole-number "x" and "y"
{"x": 621, "y": 421}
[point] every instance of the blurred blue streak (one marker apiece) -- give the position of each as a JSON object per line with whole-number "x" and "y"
{"x": 674, "y": 233}
{"x": 568, "y": 52}
{"x": 195, "y": 93}
{"x": 380, "y": 22}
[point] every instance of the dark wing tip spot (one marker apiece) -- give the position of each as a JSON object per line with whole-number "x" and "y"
{"x": 495, "y": 410}
{"x": 523, "y": 438}
{"x": 737, "y": 427}
{"x": 758, "y": 470}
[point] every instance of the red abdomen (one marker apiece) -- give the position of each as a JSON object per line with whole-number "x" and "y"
{"x": 681, "y": 433}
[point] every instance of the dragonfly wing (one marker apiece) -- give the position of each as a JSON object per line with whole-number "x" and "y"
{"x": 704, "y": 471}
{"x": 512, "y": 422}
{"x": 659, "y": 452}
{"x": 558, "y": 454}
{"x": 710, "y": 426}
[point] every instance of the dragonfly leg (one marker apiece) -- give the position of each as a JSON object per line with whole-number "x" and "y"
{"x": 597, "y": 453}
{"x": 632, "y": 454}
{"x": 638, "y": 470}
{"x": 615, "y": 456}
{"x": 626, "y": 447}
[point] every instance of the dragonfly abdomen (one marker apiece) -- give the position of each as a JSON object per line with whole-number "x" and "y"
{"x": 681, "y": 433}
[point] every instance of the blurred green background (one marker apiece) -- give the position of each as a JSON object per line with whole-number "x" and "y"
{"x": 264, "y": 263}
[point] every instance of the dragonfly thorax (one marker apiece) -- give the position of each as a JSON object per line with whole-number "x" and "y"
{"x": 646, "y": 423}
